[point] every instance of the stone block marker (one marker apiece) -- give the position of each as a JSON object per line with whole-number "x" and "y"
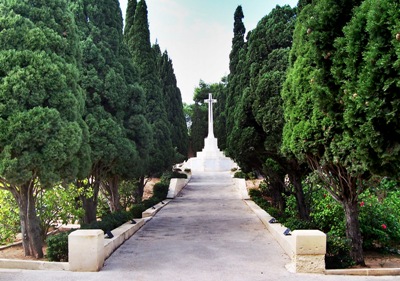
{"x": 309, "y": 251}
{"x": 175, "y": 186}
{"x": 86, "y": 250}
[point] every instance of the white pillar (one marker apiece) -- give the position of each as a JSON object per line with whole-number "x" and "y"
{"x": 86, "y": 250}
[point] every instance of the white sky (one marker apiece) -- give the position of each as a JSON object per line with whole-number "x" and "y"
{"x": 198, "y": 35}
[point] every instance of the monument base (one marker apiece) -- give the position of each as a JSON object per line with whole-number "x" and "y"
{"x": 210, "y": 158}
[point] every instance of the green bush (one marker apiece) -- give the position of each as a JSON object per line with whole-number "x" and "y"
{"x": 160, "y": 191}
{"x": 137, "y": 210}
{"x": 109, "y": 221}
{"x": 177, "y": 175}
{"x": 9, "y": 217}
{"x": 337, "y": 253}
{"x": 380, "y": 220}
{"x": 240, "y": 175}
{"x": 57, "y": 247}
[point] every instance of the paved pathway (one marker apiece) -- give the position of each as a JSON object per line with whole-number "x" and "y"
{"x": 208, "y": 233}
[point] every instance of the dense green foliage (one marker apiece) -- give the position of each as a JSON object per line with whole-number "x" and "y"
{"x": 314, "y": 128}
{"x": 367, "y": 69}
{"x": 43, "y": 138}
{"x": 9, "y": 218}
{"x": 146, "y": 58}
{"x": 173, "y": 101}
{"x": 57, "y": 247}
{"x": 379, "y": 217}
{"x": 78, "y": 105}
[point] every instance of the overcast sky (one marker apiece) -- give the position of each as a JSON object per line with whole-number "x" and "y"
{"x": 198, "y": 35}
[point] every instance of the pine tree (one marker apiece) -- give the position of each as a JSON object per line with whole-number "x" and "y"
{"x": 42, "y": 139}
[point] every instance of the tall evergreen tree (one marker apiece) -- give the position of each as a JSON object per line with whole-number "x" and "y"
{"x": 42, "y": 134}
{"x": 130, "y": 16}
{"x": 108, "y": 96}
{"x": 219, "y": 91}
{"x": 367, "y": 67}
{"x": 174, "y": 106}
{"x": 315, "y": 128}
{"x": 234, "y": 77}
{"x": 199, "y": 129}
{"x": 138, "y": 39}
{"x": 160, "y": 147}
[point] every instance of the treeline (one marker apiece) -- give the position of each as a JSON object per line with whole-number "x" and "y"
{"x": 83, "y": 101}
{"x": 314, "y": 90}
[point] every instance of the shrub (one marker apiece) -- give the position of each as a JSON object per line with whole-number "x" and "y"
{"x": 160, "y": 191}
{"x": 178, "y": 175}
{"x": 137, "y": 210}
{"x": 380, "y": 220}
{"x": 240, "y": 175}
{"x": 109, "y": 221}
{"x": 337, "y": 253}
{"x": 9, "y": 217}
{"x": 57, "y": 247}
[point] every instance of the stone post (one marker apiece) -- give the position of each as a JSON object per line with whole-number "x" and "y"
{"x": 309, "y": 251}
{"x": 86, "y": 250}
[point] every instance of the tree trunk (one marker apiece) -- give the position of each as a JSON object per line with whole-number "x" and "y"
{"x": 277, "y": 190}
{"x": 353, "y": 231}
{"x": 140, "y": 191}
{"x": 30, "y": 225}
{"x": 114, "y": 200}
{"x": 89, "y": 204}
{"x": 303, "y": 209}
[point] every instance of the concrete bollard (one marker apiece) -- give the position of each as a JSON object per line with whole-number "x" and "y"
{"x": 86, "y": 250}
{"x": 309, "y": 251}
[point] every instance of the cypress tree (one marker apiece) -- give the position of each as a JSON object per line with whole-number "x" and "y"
{"x": 130, "y": 16}
{"x": 108, "y": 96}
{"x": 174, "y": 106}
{"x": 199, "y": 129}
{"x": 315, "y": 128}
{"x": 235, "y": 77}
{"x": 144, "y": 57}
{"x": 367, "y": 68}
{"x": 219, "y": 91}
{"x": 42, "y": 139}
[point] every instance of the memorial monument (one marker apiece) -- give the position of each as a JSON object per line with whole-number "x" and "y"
{"x": 210, "y": 158}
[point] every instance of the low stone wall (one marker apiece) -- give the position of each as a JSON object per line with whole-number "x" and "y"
{"x": 175, "y": 186}
{"x": 33, "y": 265}
{"x": 150, "y": 212}
{"x": 241, "y": 186}
{"x": 88, "y": 249}
{"x": 306, "y": 248}
{"x": 121, "y": 234}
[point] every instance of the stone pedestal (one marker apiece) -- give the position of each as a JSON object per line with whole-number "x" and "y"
{"x": 86, "y": 250}
{"x": 309, "y": 251}
{"x": 210, "y": 158}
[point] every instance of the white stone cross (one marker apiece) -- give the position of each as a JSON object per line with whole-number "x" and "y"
{"x": 210, "y": 101}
